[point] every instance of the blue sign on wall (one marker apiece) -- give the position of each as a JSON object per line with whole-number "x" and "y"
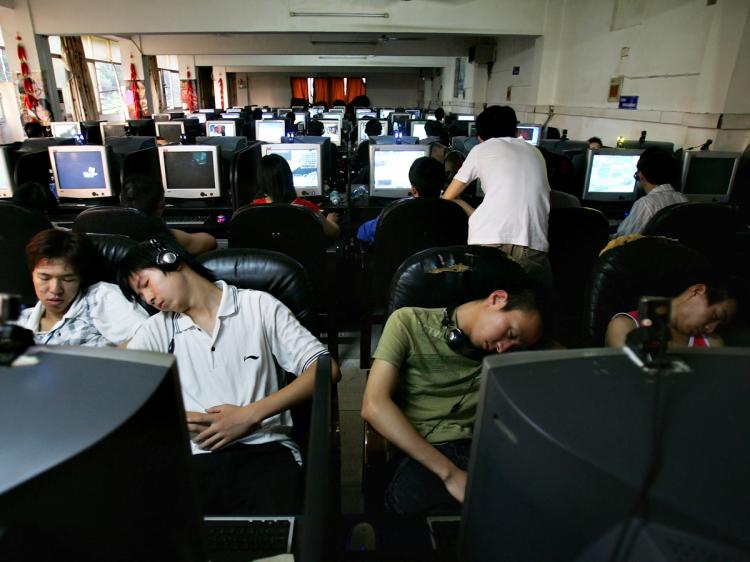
{"x": 628, "y": 102}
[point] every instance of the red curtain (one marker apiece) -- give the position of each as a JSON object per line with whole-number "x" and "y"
{"x": 299, "y": 88}
{"x": 321, "y": 90}
{"x": 355, "y": 87}
{"x": 337, "y": 90}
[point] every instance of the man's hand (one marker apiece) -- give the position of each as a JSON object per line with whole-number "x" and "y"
{"x": 221, "y": 425}
{"x": 333, "y": 217}
{"x": 455, "y": 483}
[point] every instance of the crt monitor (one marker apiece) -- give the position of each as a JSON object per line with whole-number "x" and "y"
{"x": 709, "y": 176}
{"x": 268, "y": 115}
{"x": 415, "y": 113}
{"x": 359, "y": 112}
{"x": 231, "y": 116}
{"x": 399, "y": 122}
{"x": 201, "y": 117}
{"x": 270, "y": 130}
{"x": 206, "y": 110}
{"x": 362, "y": 136}
{"x": 337, "y": 110}
{"x": 221, "y": 129}
{"x": 383, "y": 112}
{"x": 332, "y": 130}
{"x": 6, "y": 173}
{"x": 430, "y": 116}
{"x": 529, "y": 132}
{"x": 389, "y": 168}
{"x": 316, "y": 110}
{"x": 563, "y": 449}
{"x": 609, "y": 175}
{"x": 103, "y": 458}
{"x": 114, "y": 129}
{"x": 472, "y": 129}
{"x": 417, "y": 129}
{"x": 234, "y": 110}
{"x": 465, "y": 118}
{"x": 161, "y": 116}
{"x": 65, "y": 129}
{"x": 306, "y": 163}
{"x": 171, "y": 132}
{"x": 300, "y": 117}
{"x": 81, "y": 172}
{"x": 190, "y": 171}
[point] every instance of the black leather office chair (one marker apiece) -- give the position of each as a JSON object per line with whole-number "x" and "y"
{"x": 17, "y": 227}
{"x": 576, "y": 236}
{"x": 651, "y": 266}
{"x": 405, "y": 228}
{"x": 120, "y": 220}
{"x": 109, "y": 249}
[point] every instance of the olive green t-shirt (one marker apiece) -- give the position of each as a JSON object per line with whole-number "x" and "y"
{"x": 432, "y": 377}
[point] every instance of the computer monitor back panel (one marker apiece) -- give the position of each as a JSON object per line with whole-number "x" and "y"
{"x": 6, "y": 174}
{"x": 190, "y": 172}
{"x": 221, "y": 129}
{"x": 389, "y": 168}
{"x": 305, "y": 160}
{"x": 65, "y": 129}
{"x": 270, "y": 130}
{"x": 709, "y": 176}
{"x": 529, "y": 132}
{"x": 81, "y": 172}
{"x": 161, "y": 117}
{"x": 609, "y": 175}
{"x": 114, "y": 129}
{"x": 171, "y": 132}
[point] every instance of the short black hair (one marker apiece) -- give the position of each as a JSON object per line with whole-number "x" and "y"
{"x": 144, "y": 256}
{"x": 33, "y": 130}
{"x": 73, "y": 247}
{"x": 257, "y": 114}
{"x": 595, "y": 139}
{"x": 497, "y": 121}
{"x": 439, "y": 114}
{"x": 142, "y": 193}
{"x": 373, "y": 128}
{"x": 34, "y": 196}
{"x": 275, "y": 179}
{"x": 315, "y": 128}
{"x": 659, "y": 167}
{"x": 427, "y": 175}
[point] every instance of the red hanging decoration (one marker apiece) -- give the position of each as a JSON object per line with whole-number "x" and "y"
{"x": 29, "y": 99}
{"x": 221, "y": 92}
{"x": 189, "y": 93}
{"x": 136, "y": 97}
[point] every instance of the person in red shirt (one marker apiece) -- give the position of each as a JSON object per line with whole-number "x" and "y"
{"x": 275, "y": 179}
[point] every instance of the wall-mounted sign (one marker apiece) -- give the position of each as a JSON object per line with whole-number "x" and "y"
{"x": 516, "y": 70}
{"x": 615, "y": 85}
{"x": 628, "y": 102}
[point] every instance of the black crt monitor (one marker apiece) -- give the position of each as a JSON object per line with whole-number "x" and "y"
{"x": 362, "y": 136}
{"x": 101, "y": 459}
{"x": 399, "y": 122}
{"x": 6, "y": 173}
{"x": 142, "y": 127}
{"x": 563, "y": 147}
{"x": 609, "y": 175}
{"x": 415, "y": 113}
{"x": 221, "y": 129}
{"x": 306, "y": 163}
{"x": 332, "y": 130}
{"x": 65, "y": 129}
{"x": 161, "y": 116}
{"x": 174, "y": 114}
{"x": 563, "y": 449}
{"x": 417, "y": 129}
{"x": 471, "y": 130}
{"x": 389, "y": 168}
{"x": 529, "y": 132}
{"x": 169, "y": 131}
{"x": 81, "y": 172}
{"x": 190, "y": 171}
{"x": 709, "y": 176}
{"x": 643, "y": 145}
{"x": 270, "y": 130}
{"x": 114, "y": 129}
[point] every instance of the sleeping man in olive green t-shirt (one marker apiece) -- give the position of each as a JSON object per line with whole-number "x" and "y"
{"x": 423, "y": 387}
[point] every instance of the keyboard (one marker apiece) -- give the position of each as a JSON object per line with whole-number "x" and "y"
{"x": 240, "y": 539}
{"x": 194, "y": 219}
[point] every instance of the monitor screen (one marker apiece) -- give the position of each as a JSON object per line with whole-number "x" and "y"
{"x": 362, "y": 136}
{"x": 430, "y": 116}
{"x": 201, "y": 117}
{"x": 306, "y": 164}
{"x": 359, "y": 112}
{"x": 337, "y": 109}
{"x": 170, "y": 131}
{"x": 65, "y": 129}
{"x": 316, "y": 110}
{"x": 81, "y": 172}
{"x": 281, "y": 112}
{"x": 389, "y": 168}
{"x": 417, "y": 129}
{"x": 332, "y": 130}
{"x": 268, "y": 115}
{"x": 206, "y": 110}
{"x": 472, "y": 130}
{"x": 190, "y": 172}
{"x": 415, "y": 113}
{"x": 221, "y": 129}
{"x": 234, "y": 110}
{"x": 466, "y": 118}
{"x": 270, "y": 130}
{"x": 6, "y": 174}
{"x": 300, "y": 117}
{"x": 230, "y": 116}
{"x": 609, "y": 175}
{"x": 384, "y": 113}
{"x": 530, "y": 133}
{"x": 709, "y": 176}
{"x": 161, "y": 117}
{"x": 111, "y": 130}
{"x": 399, "y": 123}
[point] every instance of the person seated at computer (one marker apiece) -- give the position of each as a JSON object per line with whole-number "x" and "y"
{"x": 422, "y": 390}
{"x": 434, "y": 132}
{"x": 656, "y": 170}
{"x": 34, "y": 130}
{"x": 373, "y": 128}
{"x": 276, "y": 181}
{"x": 72, "y": 309}
{"x": 35, "y": 197}
{"x": 595, "y": 143}
{"x": 696, "y": 315}
{"x": 232, "y": 347}
{"x": 439, "y": 115}
{"x": 146, "y": 195}
{"x": 315, "y": 128}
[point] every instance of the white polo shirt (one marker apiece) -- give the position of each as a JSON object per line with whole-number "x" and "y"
{"x": 256, "y": 338}
{"x": 515, "y": 209}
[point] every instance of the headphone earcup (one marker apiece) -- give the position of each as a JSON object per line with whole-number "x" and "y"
{"x": 457, "y": 341}
{"x": 168, "y": 260}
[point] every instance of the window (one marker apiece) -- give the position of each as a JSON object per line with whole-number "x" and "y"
{"x": 169, "y": 76}
{"x": 5, "y": 74}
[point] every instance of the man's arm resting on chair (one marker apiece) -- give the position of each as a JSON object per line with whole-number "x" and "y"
{"x": 455, "y": 189}
{"x": 195, "y": 243}
{"x": 379, "y": 409}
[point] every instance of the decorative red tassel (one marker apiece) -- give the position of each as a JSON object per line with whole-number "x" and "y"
{"x": 25, "y": 69}
{"x": 221, "y": 92}
{"x": 136, "y": 98}
{"x": 21, "y": 52}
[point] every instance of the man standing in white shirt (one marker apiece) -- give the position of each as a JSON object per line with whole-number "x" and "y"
{"x": 656, "y": 170}
{"x": 515, "y": 211}
{"x": 232, "y": 348}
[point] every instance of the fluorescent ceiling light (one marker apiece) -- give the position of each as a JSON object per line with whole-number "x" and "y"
{"x": 339, "y": 15}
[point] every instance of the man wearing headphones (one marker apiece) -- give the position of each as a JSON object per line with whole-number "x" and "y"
{"x": 422, "y": 391}
{"x": 232, "y": 348}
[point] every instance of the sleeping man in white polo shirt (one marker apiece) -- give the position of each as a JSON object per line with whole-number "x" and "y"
{"x": 231, "y": 347}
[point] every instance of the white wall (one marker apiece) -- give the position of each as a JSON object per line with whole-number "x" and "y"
{"x": 513, "y": 51}
{"x": 271, "y": 89}
{"x": 393, "y": 90}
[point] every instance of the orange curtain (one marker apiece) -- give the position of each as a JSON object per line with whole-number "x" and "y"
{"x": 321, "y": 90}
{"x": 355, "y": 87}
{"x": 299, "y": 88}
{"x": 337, "y": 90}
